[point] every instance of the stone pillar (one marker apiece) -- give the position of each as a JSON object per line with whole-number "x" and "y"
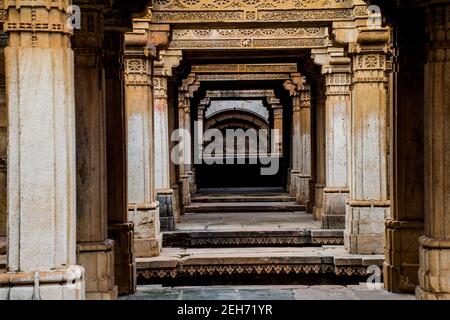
{"x": 184, "y": 123}
{"x": 320, "y": 176}
{"x": 164, "y": 193}
{"x": 337, "y": 138}
{"x": 296, "y": 147}
{"x": 406, "y": 226}
{"x": 169, "y": 59}
{"x": 41, "y": 155}
{"x": 203, "y": 105}
{"x": 305, "y": 133}
{"x": 434, "y": 272}
{"x": 278, "y": 124}
{"x": 143, "y": 208}
{"x": 94, "y": 251}
{"x": 369, "y": 204}
{"x": 3, "y": 136}
{"x": 173, "y": 168}
{"x": 119, "y": 229}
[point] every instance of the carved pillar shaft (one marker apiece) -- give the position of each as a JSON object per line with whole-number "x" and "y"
{"x": 434, "y": 272}
{"x": 164, "y": 193}
{"x": 185, "y": 167}
{"x": 320, "y": 176}
{"x": 143, "y": 208}
{"x": 369, "y": 204}
{"x": 278, "y": 127}
{"x": 95, "y": 250}
{"x": 407, "y": 113}
{"x": 337, "y": 131}
{"x": 296, "y": 148}
{"x": 41, "y": 155}
{"x": 119, "y": 229}
{"x": 3, "y": 136}
{"x": 305, "y": 135}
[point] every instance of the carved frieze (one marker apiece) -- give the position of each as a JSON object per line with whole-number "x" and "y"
{"x": 249, "y": 38}
{"x": 245, "y": 68}
{"x": 243, "y": 77}
{"x": 182, "y": 11}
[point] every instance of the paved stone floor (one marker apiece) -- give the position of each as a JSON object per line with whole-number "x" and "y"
{"x": 245, "y": 221}
{"x": 354, "y": 292}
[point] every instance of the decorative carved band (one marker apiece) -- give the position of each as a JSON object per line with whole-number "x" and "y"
{"x": 255, "y": 269}
{"x": 243, "y": 76}
{"x": 249, "y": 4}
{"x": 198, "y": 11}
{"x": 249, "y": 38}
{"x": 245, "y": 68}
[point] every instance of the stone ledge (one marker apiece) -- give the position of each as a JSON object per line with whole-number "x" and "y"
{"x": 177, "y": 262}
{"x": 306, "y": 237}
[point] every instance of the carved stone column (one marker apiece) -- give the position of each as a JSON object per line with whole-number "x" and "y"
{"x": 305, "y": 134}
{"x": 3, "y": 136}
{"x": 164, "y": 194}
{"x": 296, "y": 146}
{"x": 369, "y": 204}
{"x": 278, "y": 124}
{"x": 320, "y": 176}
{"x": 119, "y": 228}
{"x": 41, "y": 155}
{"x": 337, "y": 132}
{"x": 95, "y": 250}
{"x": 434, "y": 272}
{"x": 143, "y": 209}
{"x": 185, "y": 123}
{"x": 203, "y": 105}
{"x": 407, "y": 224}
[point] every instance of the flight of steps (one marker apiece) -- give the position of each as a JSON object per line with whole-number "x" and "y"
{"x": 248, "y": 238}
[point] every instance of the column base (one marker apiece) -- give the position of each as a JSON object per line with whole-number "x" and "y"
{"x": 66, "y": 284}
{"x": 318, "y": 203}
{"x": 166, "y": 218}
{"x": 192, "y": 182}
{"x": 434, "y": 272}
{"x": 303, "y": 188}
{"x": 124, "y": 263}
{"x": 310, "y": 204}
{"x": 402, "y": 255}
{"x": 97, "y": 258}
{"x": 294, "y": 184}
{"x": 147, "y": 236}
{"x": 334, "y": 208}
{"x": 176, "y": 204}
{"x": 184, "y": 180}
{"x": 364, "y": 226}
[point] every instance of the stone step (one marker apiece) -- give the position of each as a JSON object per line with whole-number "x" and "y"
{"x": 223, "y": 207}
{"x": 260, "y": 238}
{"x": 241, "y": 198}
{"x": 327, "y": 264}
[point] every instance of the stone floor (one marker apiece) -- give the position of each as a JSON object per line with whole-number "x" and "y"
{"x": 353, "y": 292}
{"x": 248, "y": 221}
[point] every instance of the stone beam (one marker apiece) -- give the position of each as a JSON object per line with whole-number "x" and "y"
{"x": 249, "y": 38}
{"x": 228, "y": 11}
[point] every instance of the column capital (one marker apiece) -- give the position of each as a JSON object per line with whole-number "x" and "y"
{"x": 370, "y": 55}
{"x": 294, "y": 84}
{"x": 167, "y": 60}
{"x": 46, "y": 21}
{"x": 338, "y": 77}
{"x": 305, "y": 97}
{"x": 371, "y": 40}
{"x": 438, "y": 29}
